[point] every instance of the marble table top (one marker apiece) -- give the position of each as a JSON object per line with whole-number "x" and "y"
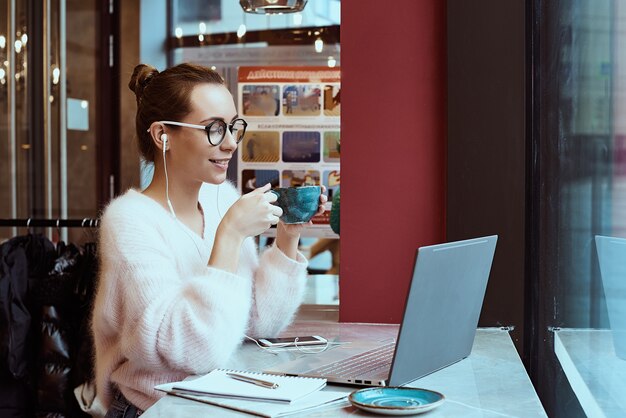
{"x": 491, "y": 382}
{"x": 597, "y": 376}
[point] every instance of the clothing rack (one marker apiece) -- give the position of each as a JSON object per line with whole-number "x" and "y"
{"x": 51, "y": 223}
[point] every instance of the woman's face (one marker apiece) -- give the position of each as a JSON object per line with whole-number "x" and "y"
{"x": 191, "y": 156}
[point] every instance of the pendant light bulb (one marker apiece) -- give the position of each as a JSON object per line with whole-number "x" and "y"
{"x": 276, "y": 7}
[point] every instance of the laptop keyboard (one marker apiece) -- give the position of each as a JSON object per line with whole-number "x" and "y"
{"x": 360, "y": 364}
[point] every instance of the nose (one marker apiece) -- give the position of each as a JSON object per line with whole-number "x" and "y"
{"x": 229, "y": 143}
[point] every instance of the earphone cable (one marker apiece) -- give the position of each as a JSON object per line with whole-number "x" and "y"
{"x": 167, "y": 184}
{"x": 169, "y": 202}
{"x": 217, "y": 202}
{"x": 302, "y": 349}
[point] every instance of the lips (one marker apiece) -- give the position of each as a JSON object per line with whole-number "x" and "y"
{"x": 221, "y": 163}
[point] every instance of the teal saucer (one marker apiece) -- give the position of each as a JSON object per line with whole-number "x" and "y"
{"x": 396, "y": 400}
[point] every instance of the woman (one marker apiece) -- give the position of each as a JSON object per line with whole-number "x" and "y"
{"x": 181, "y": 282}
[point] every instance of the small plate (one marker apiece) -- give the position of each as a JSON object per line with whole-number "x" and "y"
{"x": 396, "y": 400}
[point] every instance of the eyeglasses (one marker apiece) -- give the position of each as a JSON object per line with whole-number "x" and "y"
{"x": 216, "y": 130}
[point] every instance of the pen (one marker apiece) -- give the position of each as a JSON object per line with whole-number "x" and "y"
{"x": 258, "y": 382}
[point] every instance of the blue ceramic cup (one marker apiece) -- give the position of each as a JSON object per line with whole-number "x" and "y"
{"x": 299, "y": 204}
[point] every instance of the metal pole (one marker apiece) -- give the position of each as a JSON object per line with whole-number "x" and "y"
{"x": 63, "y": 113}
{"x": 12, "y": 110}
{"x": 47, "y": 130}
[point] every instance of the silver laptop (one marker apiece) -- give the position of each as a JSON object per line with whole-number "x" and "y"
{"x": 612, "y": 257}
{"x": 439, "y": 322}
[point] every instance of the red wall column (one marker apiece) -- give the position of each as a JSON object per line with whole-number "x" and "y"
{"x": 393, "y": 142}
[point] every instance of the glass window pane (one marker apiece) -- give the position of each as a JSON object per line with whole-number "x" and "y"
{"x": 195, "y": 17}
{"x": 82, "y": 88}
{"x": 584, "y": 201}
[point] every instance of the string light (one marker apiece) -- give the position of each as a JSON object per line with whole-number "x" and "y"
{"x": 319, "y": 45}
{"x": 178, "y": 32}
{"x": 331, "y": 62}
{"x": 241, "y": 31}
{"x": 3, "y": 41}
{"x": 56, "y": 75}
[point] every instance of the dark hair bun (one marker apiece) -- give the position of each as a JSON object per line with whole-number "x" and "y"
{"x": 142, "y": 74}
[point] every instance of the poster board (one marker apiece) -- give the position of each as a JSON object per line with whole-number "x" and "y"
{"x": 293, "y": 116}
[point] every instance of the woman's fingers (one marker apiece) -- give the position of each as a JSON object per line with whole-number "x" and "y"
{"x": 270, "y": 197}
{"x": 262, "y": 189}
{"x": 323, "y": 199}
{"x": 277, "y": 210}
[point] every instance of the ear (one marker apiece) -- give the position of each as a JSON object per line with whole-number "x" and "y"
{"x": 156, "y": 131}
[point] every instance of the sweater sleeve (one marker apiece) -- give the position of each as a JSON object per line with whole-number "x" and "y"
{"x": 278, "y": 281}
{"x": 279, "y": 284}
{"x": 164, "y": 320}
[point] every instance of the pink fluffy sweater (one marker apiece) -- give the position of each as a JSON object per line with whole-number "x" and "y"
{"x": 162, "y": 314}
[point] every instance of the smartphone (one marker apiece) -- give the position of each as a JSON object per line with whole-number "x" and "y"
{"x": 291, "y": 341}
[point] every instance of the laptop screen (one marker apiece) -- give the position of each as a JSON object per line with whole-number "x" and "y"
{"x": 442, "y": 307}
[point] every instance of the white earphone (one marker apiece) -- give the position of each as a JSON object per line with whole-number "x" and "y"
{"x": 167, "y": 186}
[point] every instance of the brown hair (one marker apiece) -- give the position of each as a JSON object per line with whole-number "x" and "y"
{"x": 164, "y": 96}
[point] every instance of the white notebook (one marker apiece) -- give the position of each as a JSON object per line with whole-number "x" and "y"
{"x": 218, "y": 383}
{"x": 324, "y": 398}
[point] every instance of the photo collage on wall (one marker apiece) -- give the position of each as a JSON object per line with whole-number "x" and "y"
{"x": 293, "y": 135}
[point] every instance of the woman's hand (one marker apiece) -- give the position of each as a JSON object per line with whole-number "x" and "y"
{"x": 252, "y": 214}
{"x": 288, "y": 235}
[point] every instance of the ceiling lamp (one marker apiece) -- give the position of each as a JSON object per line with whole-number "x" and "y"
{"x": 263, "y": 7}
